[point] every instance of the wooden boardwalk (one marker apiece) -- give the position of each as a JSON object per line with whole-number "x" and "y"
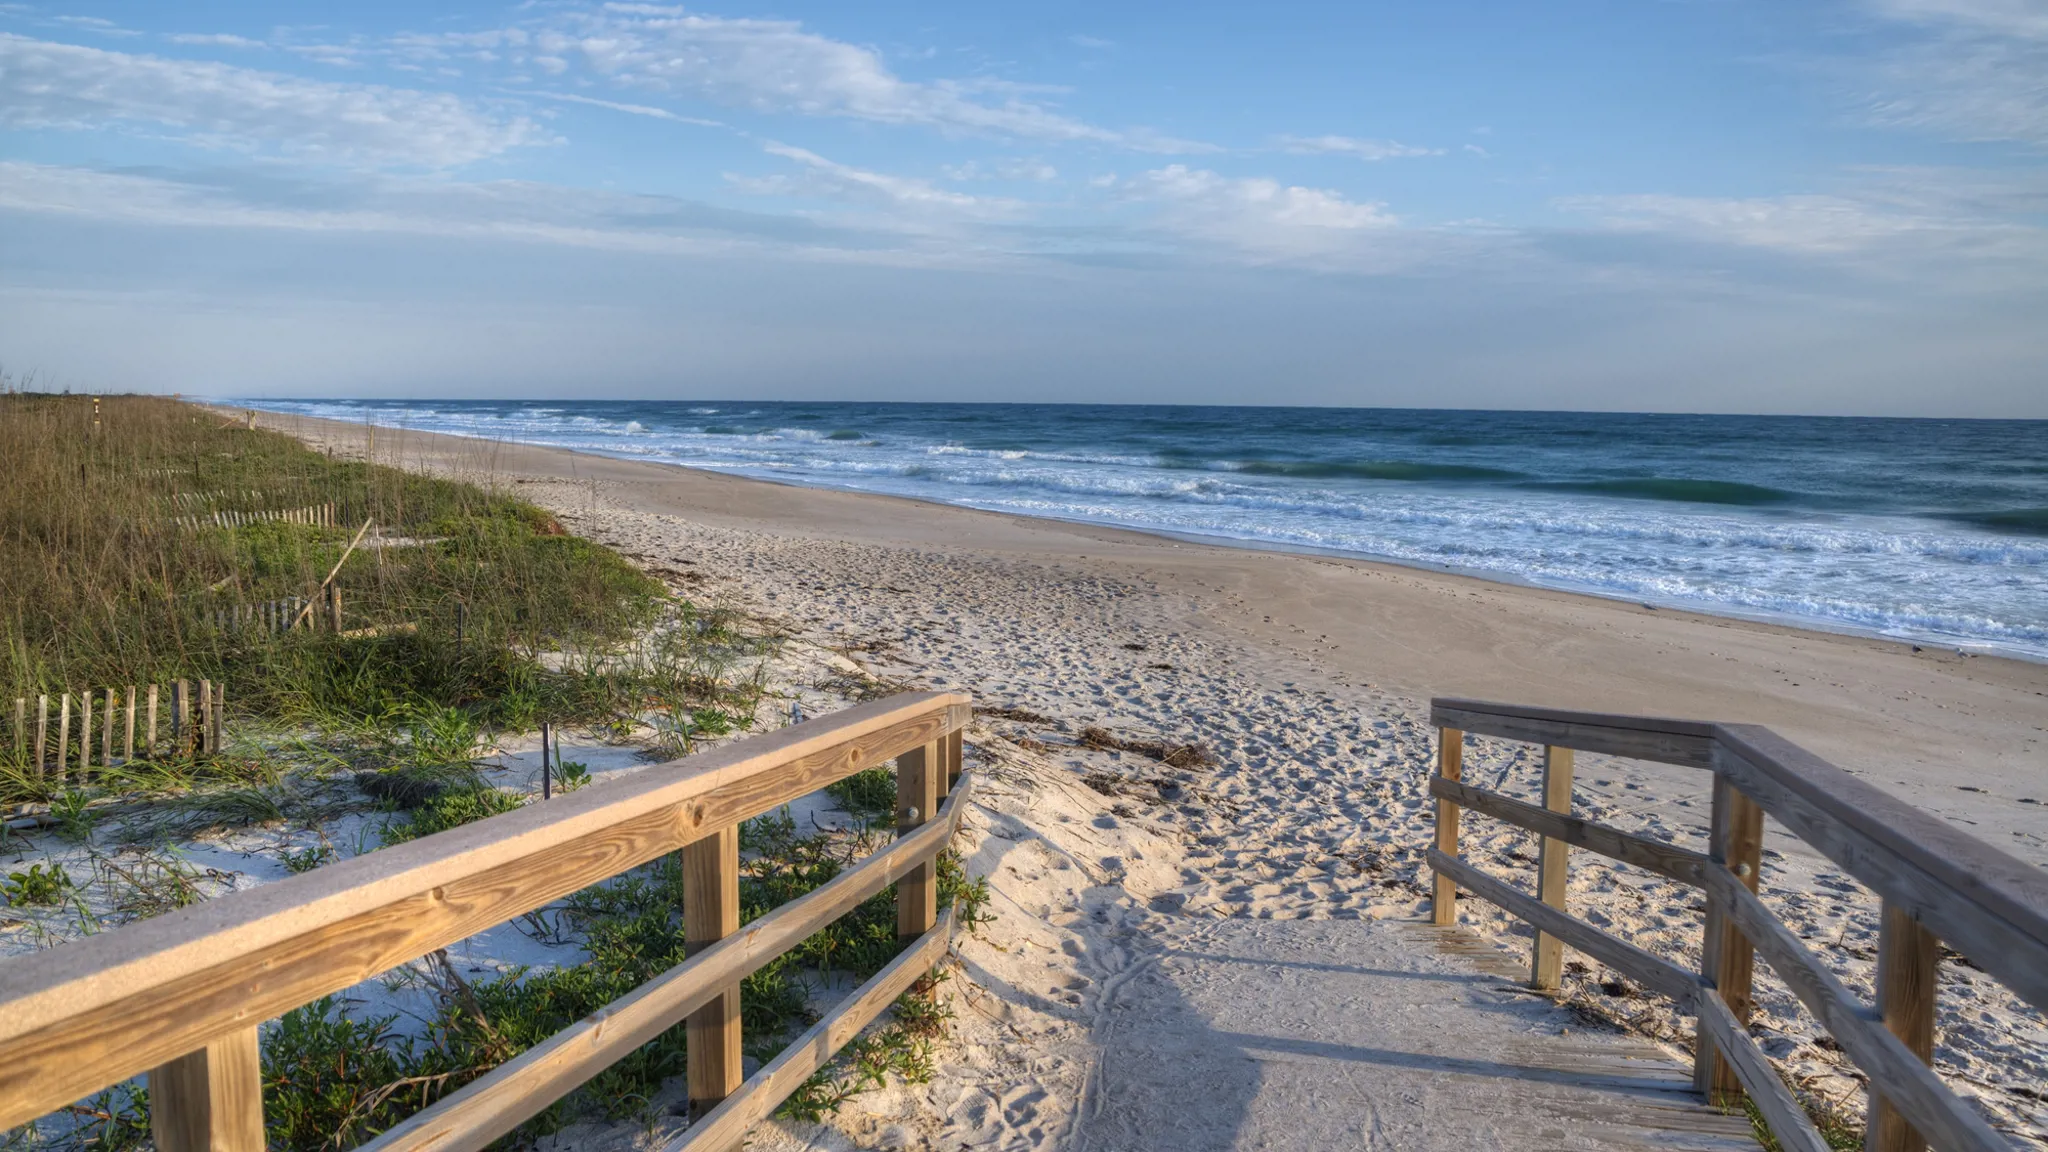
{"x": 1280, "y": 1035}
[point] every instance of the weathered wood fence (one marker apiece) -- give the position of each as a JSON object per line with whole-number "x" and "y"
{"x": 322, "y": 515}
{"x": 193, "y": 718}
{"x": 180, "y": 996}
{"x": 1936, "y": 882}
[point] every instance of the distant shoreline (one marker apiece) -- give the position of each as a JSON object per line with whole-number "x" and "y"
{"x": 1969, "y": 648}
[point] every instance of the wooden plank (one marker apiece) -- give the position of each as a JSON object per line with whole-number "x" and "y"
{"x": 1788, "y": 1121}
{"x": 42, "y": 733}
{"x": 210, "y": 1100}
{"x": 1687, "y": 742}
{"x": 516, "y": 1091}
{"x": 1666, "y": 860}
{"x": 345, "y": 552}
{"x": 216, "y": 740}
{"x": 1910, "y": 1086}
{"x": 205, "y": 741}
{"x": 1988, "y": 905}
{"x": 1450, "y": 765}
{"x": 77, "y": 1018}
{"x": 1735, "y": 837}
{"x": 727, "y": 1125}
{"x": 711, "y": 912}
{"x": 128, "y": 740}
{"x": 1553, "y": 862}
{"x": 917, "y": 799}
{"x": 1908, "y": 962}
{"x": 151, "y": 746}
{"x": 1631, "y": 961}
{"x": 64, "y": 738}
{"x": 107, "y": 729}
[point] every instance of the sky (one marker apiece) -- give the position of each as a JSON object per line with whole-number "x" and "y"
{"x": 1820, "y": 206}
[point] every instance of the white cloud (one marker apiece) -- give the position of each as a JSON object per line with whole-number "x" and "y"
{"x": 1035, "y": 170}
{"x": 1352, "y": 146}
{"x": 97, "y": 24}
{"x": 1256, "y": 200}
{"x": 1091, "y": 42}
{"x": 1975, "y": 73}
{"x": 51, "y": 85}
{"x": 779, "y": 66}
{"x": 827, "y": 178}
{"x": 213, "y": 40}
{"x": 630, "y": 109}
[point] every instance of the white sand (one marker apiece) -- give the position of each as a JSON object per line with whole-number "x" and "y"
{"x": 1308, "y": 678}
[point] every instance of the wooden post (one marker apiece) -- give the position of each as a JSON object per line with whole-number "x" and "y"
{"x": 711, "y": 912}
{"x": 63, "y": 736}
{"x": 1735, "y": 842}
{"x": 20, "y": 727}
{"x": 547, "y": 784}
{"x": 917, "y": 797}
{"x": 181, "y": 717}
{"x": 1546, "y": 962}
{"x": 215, "y": 740}
{"x": 128, "y": 741}
{"x": 151, "y": 746}
{"x": 42, "y": 733}
{"x": 210, "y": 1100}
{"x": 334, "y": 608}
{"x": 84, "y": 734}
{"x": 955, "y": 761}
{"x": 1450, "y": 764}
{"x": 200, "y": 738}
{"x": 107, "y": 730}
{"x": 1908, "y": 957}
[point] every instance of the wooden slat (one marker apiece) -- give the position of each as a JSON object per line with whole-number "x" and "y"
{"x": 1666, "y": 860}
{"x": 1553, "y": 862}
{"x": 210, "y": 1100}
{"x": 1988, "y": 905}
{"x": 1727, "y": 960}
{"x": 99, "y": 1010}
{"x": 726, "y": 1126}
{"x": 711, "y": 912}
{"x": 1631, "y": 961}
{"x": 1908, "y": 961}
{"x": 1787, "y": 1120}
{"x": 1687, "y": 742}
{"x": 522, "y": 1087}
{"x": 1450, "y": 765}
{"x": 1911, "y": 1086}
{"x": 918, "y": 772}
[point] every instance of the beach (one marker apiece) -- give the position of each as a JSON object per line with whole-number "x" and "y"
{"x": 1307, "y": 679}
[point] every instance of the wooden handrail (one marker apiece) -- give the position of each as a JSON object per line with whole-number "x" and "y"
{"x": 76, "y": 1019}
{"x": 1935, "y": 880}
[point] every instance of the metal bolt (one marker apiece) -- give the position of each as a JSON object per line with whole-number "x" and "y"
{"x": 910, "y": 815}
{"x": 1743, "y": 869}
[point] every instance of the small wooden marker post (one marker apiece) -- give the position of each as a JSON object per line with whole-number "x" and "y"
{"x": 918, "y": 773}
{"x": 547, "y": 784}
{"x": 42, "y": 733}
{"x": 1735, "y": 841}
{"x": 128, "y": 741}
{"x": 107, "y": 730}
{"x": 217, "y": 721}
{"x": 203, "y": 741}
{"x": 1908, "y": 958}
{"x": 151, "y": 745}
{"x": 210, "y": 1100}
{"x": 63, "y": 736}
{"x": 1450, "y": 764}
{"x": 1546, "y": 962}
{"x": 181, "y": 717}
{"x": 711, "y": 912}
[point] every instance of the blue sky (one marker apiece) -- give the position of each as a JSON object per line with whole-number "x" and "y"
{"x": 1747, "y": 205}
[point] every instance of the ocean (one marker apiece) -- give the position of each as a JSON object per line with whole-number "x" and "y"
{"x": 1934, "y": 531}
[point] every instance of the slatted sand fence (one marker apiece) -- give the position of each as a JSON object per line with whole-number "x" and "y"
{"x": 181, "y": 997}
{"x": 317, "y": 515}
{"x": 178, "y": 719}
{"x": 1938, "y": 885}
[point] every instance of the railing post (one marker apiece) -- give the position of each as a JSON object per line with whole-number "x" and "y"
{"x": 918, "y": 773}
{"x": 1450, "y": 764}
{"x": 1546, "y": 961}
{"x": 1907, "y": 957}
{"x": 955, "y": 764}
{"x": 1735, "y": 842}
{"x": 711, "y": 912}
{"x": 210, "y": 1100}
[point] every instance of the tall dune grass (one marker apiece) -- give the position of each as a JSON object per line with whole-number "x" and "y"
{"x": 99, "y": 584}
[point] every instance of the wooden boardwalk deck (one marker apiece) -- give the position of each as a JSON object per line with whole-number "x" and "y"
{"x": 1263, "y": 1034}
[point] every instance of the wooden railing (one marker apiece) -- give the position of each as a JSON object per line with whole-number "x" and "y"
{"x": 1936, "y": 882}
{"x": 180, "y": 997}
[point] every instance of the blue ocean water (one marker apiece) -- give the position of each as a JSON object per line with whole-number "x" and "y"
{"x": 1931, "y": 530}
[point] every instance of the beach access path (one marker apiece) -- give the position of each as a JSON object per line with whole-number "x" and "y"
{"x": 1155, "y": 922}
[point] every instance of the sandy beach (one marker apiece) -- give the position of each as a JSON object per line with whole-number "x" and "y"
{"x": 1307, "y": 678}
